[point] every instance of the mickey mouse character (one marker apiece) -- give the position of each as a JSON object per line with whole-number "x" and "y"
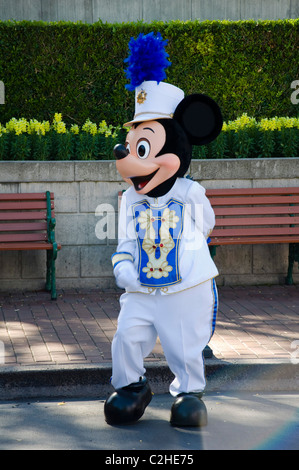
{"x": 162, "y": 259}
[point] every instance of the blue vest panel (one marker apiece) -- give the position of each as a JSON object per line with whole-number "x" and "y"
{"x": 159, "y": 231}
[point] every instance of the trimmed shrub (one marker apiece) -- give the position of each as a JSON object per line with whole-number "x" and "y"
{"x": 246, "y": 66}
{"x": 22, "y": 139}
{"x": 247, "y": 137}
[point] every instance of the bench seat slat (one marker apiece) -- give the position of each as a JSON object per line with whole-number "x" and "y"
{"x": 253, "y": 240}
{"x": 27, "y": 246}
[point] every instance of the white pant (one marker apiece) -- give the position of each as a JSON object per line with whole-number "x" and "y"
{"x": 184, "y": 322}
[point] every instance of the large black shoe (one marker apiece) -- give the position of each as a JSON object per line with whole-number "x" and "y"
{"x": 189, "y": 410}
{"x": 127, "y": 404}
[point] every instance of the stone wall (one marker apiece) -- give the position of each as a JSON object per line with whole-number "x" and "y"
{"x": 86, "y": 197}
{"x": 118, "y": 11}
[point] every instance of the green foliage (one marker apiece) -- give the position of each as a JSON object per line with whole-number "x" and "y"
{"x": 245, "y": 137}
{"x": 289, "y": 142}
{"x": 22, "y": 139}
{"x": 246, "y": 66}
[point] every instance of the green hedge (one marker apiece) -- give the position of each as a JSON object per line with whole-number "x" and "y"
{"x": 246, "y": 66}
{"x": 22, "y": 139}
{"x": 248, "y": 138}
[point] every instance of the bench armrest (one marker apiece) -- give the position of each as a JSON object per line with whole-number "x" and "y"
{"x": 51, "y": 230}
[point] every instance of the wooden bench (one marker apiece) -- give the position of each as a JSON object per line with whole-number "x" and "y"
{"x": 256, "y": 216}
{"x": 27, "y": 222}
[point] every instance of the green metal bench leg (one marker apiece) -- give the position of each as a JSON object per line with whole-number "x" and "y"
{"x": 53, "y": 279}
{"x": 48, "y": 279}
{"x": 212, "y": 249}
{"x": 293, "y": 256}
{"x": 52, "y": 255}
{"x": 53, "y": 271}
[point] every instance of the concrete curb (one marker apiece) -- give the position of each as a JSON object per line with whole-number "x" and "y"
{"x": 93, "y": 381}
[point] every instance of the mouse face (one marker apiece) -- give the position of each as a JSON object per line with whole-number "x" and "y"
{"x": 144, "y": 166}
{"x": 157, "y": 152}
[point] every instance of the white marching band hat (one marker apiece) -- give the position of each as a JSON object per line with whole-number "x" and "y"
{"x": 155, "y": 101}
{"x": 148, "y": 59}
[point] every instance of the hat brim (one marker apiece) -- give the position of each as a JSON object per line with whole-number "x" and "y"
{"x": 148, "y": 117}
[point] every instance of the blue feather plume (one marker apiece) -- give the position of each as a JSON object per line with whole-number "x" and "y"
{"x": 147, "y": 59}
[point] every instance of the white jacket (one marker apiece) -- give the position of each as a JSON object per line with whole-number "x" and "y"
{"x": 162, "y": 242}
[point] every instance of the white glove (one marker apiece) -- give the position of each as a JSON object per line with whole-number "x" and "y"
{"x": 126, "y": 276}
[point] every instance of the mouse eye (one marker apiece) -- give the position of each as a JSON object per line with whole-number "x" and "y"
{"x": 128, "y": 147}
{"x": 143, "y": 148}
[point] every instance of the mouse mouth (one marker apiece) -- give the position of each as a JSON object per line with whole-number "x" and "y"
{"x": 140, "y": 182}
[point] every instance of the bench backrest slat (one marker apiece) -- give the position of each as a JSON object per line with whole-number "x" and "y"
{"x": 24, "y": 217}
{"x": 24, "y": 205}
{"x": 261, "y": 200}
{"x": 24, "y": 196}
{"x": 239, "y": 214}
{"x": 23, "y": 237}
{"x": 259, "y": 231}
{"x": 251, "y": 191}
{"x": 238, "y": 221}
{"x": 23, "y": 227}
{"x": 256, "y": 210}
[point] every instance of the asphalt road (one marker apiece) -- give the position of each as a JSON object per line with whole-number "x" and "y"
{"x": 237, "y": 421}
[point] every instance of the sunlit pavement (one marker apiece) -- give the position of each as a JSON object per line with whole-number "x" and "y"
{"x": 236, "y": 421}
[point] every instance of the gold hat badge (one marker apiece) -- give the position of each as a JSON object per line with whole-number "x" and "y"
{"x": 141, "y": 97}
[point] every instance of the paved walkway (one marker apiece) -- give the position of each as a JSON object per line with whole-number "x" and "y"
{"x": 253, "y": 323}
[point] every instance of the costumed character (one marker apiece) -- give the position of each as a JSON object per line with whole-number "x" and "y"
{"x": 162, "y": 260}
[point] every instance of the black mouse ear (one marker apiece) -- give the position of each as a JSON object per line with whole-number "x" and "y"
{"x": 200, "y": 117}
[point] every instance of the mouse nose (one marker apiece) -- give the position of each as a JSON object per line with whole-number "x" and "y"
{"x": 120, "y": 151}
